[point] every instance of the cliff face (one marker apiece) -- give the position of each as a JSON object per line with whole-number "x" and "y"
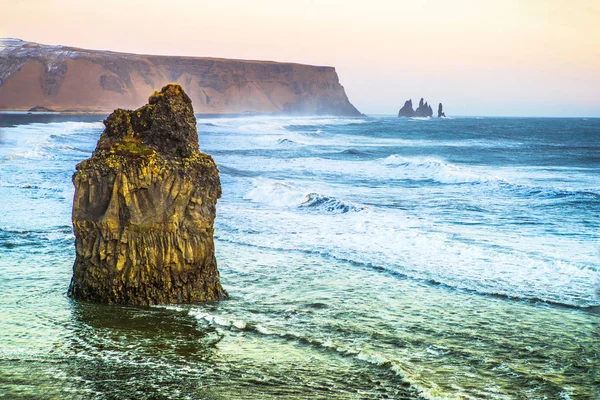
{"x": 144, "y": 208}
{"x": 78, "y": 80}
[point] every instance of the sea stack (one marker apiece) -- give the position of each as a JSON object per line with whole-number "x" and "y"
{"x": 441, "y": 113}
{"x": 407, "y": 109}
{"x": 144, "y": 208}
{"x": 424, "y": 109}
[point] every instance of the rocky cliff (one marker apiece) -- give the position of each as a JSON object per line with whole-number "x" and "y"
{"x": 144, "y": 208}
{"x": 77, "y": 80}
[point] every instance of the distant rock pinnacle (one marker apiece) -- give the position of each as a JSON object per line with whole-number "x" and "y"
{"x": 423, "y": 110}
{"x": 407, "y": 109}
{"x": 441, "y": 113}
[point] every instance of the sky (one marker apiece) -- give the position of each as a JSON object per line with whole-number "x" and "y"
{"x": 478, "y": 57}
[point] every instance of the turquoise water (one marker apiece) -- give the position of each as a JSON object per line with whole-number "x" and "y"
{"x": 366, "y": 258}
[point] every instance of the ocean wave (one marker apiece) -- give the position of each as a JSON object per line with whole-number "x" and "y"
{"x": 423, "y": 168}
{"x": 276, "y": 124}
{"x": 353, "y": 152}
{"x": 312, "y": 121}
{"x": 402, "y": 370}
{"x": 274, "y": 193}
{"x": 370, "y": 357}
{"x": 438, "y": 170}
{"x": 286, "y": 142}
{"x": 47, "y": 141}
{"x": 14, "y": 237}
{"x": 262, "y": 127}
{"x": 223, "y": 169}
{"x": 30, "y": 186}
{"x": 328, "y": 204}
{"x": 562, "y": 195}
{"x": 556, "y": 283}
{"x": 315, "y": 133}
{"x": 430, "y": 170}
{"x": 285, "y": 194}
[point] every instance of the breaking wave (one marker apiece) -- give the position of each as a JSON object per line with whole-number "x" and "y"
{"x": 370, "y": 357}
{"x": 286, "y": 142}
{"x": 435, "y": 169}
{"x": 328, "y": 204}
{"x": 47, "y": 141}
{"x": 353, "y": 152}
{"x": 285, "y": 194}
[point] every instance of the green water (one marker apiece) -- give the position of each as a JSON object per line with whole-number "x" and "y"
{"x": 308, "y": 331}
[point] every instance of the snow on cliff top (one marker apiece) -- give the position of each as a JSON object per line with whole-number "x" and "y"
{"x": 10, "y": 43}
{"x": 22, "y": 48}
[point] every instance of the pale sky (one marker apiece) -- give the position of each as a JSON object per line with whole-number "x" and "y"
{"x": 478, "y": 57}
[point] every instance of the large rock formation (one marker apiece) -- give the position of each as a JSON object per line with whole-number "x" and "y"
{"x": 64, "y": 78}
{"x": 144, "y": 208}
{"x": 407, "y": 109}
{"x": 424, "y": 110}
{"x": 441, "y": 113}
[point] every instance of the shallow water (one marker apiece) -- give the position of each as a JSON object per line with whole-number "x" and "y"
{"x": 366, "y": 258}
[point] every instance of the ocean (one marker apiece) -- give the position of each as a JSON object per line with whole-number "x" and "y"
{"x": 366, "y": 258}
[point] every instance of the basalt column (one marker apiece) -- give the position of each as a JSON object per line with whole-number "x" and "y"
{"x": 144, "y": 208}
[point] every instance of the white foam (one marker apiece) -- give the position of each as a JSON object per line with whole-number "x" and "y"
{"x": 436, "y": 169}
{"x": 218, "y": 320}
{"x": 287, "y": 194}
{"x": 316, "y": 121}
{"x": 341, "y": 347}
{"x": 60, "y": 235}
{"x": 39, "y": 141}
{"x": 275, "y": 193}
{"x": 375, "y": 358}
{"x": 417, "y": 246}
{"x": 415, "y": 243}
{"x": 272, "y": 125}
{"x": 392, "y": 167}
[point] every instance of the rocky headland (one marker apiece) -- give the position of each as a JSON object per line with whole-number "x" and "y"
{"x": 144, "y": 208}
{"x": 68, "y": 79}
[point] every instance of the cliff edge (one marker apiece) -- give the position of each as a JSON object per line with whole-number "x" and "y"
{"x": 144, "y": 208}
{"x": 69, "y": 79}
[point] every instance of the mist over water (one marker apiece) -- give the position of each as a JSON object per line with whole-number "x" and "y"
{"x": 369, "y": 257}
